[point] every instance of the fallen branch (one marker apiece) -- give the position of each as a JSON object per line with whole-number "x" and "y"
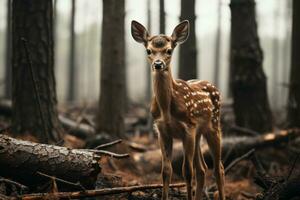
{"x": 19, "y": 185}
{"x": 102, "y": 146}
{"x": 107, "y": 153}
{"x": 77, "y": 185}
{"x": 237, "y": 160}
{"x": 94, "y": 193}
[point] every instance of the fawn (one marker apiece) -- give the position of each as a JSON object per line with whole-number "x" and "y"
{"x": 183, "y": 110}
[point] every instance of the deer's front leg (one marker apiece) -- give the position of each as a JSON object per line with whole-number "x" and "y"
{"x": 166, "y": 144}
{"x": 187, "y": 167}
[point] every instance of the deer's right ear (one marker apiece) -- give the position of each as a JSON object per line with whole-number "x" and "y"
{"x": 139, "y": 32}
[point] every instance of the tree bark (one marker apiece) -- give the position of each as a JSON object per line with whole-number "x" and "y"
{"x": 188, "y": 50}
{"x": 72, "y": 56}
{"x": 21, "y": 160}
{"x": 34, "y": 101}
{"x": 8, "y": 65}
{"x": 248, "y": 81}
{"x": 294, "y": 89}
{"x": 112, "y": 103}
{"x": 162, "y": 18}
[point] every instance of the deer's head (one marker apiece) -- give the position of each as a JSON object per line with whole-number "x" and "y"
{"x": 160, "y": 47}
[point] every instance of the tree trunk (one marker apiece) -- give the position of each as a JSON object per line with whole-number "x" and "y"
{"x": 294, "y": 93}
{"x": 248, "y": 81}
{"x": 162, "y": 19}
{"x": 188, "y": 50}
{"x": 8, "y": 66}
{"x": 21, "y": 160}
{"x": 34, "y": 94}
{"x": 112, "y": 103}
{"x": 276, "y": 57}
{"x": 218, "y": 46}
{"x": 148, "y": 69}
{"x": 72, "y": 63}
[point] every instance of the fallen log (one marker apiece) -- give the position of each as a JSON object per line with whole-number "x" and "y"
{"x": 80, "y": 130}
{"x": 151, "y": 160}
{"x": 21, "y": 160}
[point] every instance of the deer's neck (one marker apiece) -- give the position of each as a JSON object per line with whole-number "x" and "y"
{"x": 162, "y": 89}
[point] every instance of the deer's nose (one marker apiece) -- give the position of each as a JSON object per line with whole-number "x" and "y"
{"x": 158, "y": 64}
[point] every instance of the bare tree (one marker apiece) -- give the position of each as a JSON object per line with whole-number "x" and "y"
{"x": 275, "y": 56}
{"x": 188, "y": 50}
{"x": 72, "y": 56}
{"x": 248, "y": 81}
{"x": 112, "y": 103}
{"x": 218, "y": 45}
{"x": 148, "y": 70}
{"x": 294, "y": 90}
{"x": 162, "y": 18}
{"x": 34, "y": 93}
{"x": 8, "y": 50}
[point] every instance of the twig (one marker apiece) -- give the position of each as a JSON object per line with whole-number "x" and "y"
{"x": 108, "y": 144}
{"x": 293, "y": 166}
{"x": 107, "y": 153}
{"x": 35, "y": 87}
{"x": 237, "y": 160}
{"x": 21, "y": 186}
{"x": 78, "y": 185}
{"x": 97, "y": 192}
{"x": 226, "y": 157}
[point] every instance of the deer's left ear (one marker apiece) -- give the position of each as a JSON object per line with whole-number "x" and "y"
{"x": 139, "y": 32}
{"x": 181, "y": 32}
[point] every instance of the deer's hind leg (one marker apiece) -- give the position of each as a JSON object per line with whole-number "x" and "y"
{"x": 213, "y": 138}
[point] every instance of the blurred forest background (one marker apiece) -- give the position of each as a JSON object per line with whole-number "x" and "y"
{"x": 75, "y": 84}
{"x": 212, "y": 34}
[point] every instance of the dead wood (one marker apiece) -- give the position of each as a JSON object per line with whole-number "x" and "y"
{"x": 93, "y": 193}
{"x": 151, "y": 160}
{"x": 21, "y": 160}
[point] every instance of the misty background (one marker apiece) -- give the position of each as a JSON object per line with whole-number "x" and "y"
{"x": 274, "y": 26}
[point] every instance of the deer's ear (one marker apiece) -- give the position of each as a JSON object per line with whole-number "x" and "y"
{"x": 139, "y": 32}
{"x": 181, "y": 32}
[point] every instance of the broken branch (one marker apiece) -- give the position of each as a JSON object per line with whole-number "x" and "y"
{"x": 97, "y": 192}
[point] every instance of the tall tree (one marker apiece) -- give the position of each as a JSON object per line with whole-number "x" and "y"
{"x": 72, "y": 56}
{"x": 218, "y": 45}
{"x": 294, "y": 89}
{"x": 248, "y": 81}
{"x": 112, "y": 103}
{"x": 276, "y": 54}
{"x": 188, "y": 50}
{"x": 34, "y": 93}
{"x": 162, "y": 18}
{"x": 148, "y": 69}
{"x": 8, "y": 65}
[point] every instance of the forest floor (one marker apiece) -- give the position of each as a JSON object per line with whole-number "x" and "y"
{"x": 277, "y": 161}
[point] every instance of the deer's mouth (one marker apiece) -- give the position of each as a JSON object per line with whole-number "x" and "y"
{"x": 158, "y": 65}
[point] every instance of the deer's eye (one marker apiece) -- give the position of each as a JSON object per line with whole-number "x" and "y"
{"x": 149, "y": 51}
{"x": 169, "y": 51}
